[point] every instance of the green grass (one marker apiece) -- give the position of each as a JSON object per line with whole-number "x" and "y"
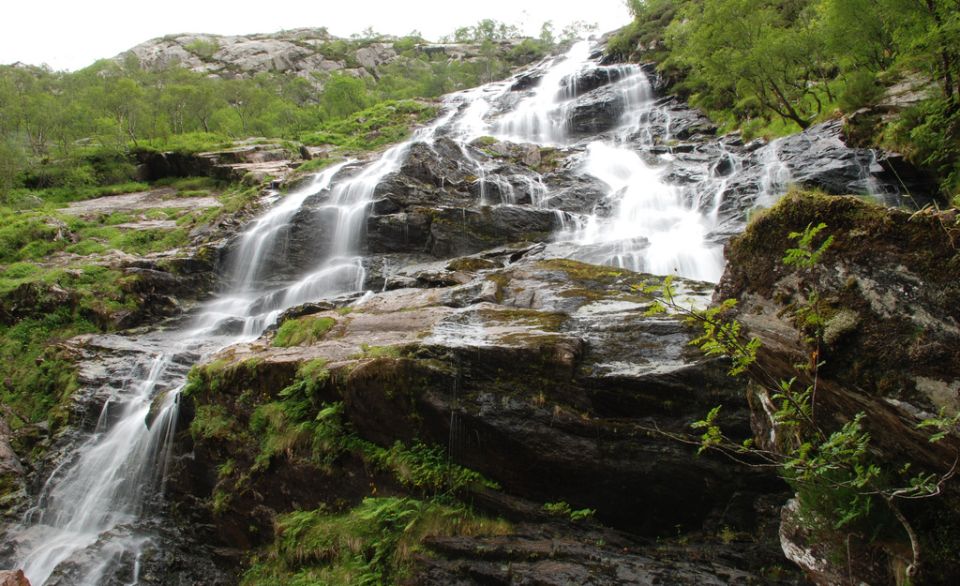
{"x": 302, "y": 331}
{"x": 188, "y": 143}
{"x": 385, "y": 123}
{"x": 372, "y": 543}
{"x": 22, "y": 196}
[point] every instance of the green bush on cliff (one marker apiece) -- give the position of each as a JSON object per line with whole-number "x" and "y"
{"x": 384, "y": 123}
{"x": 424, "y": 467}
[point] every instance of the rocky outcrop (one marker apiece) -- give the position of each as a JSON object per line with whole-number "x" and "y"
{"x": 306, "y": 52}
{"x": 546, "y": 376}
{"x": 889, "y": 292}
{"x": 595, "y": 112}
{"x": 11, "y": 470}
{"x": 248, "y": 161}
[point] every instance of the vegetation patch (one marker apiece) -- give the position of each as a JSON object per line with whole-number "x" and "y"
{"x": 373, "y": 543}
{"x": 302, "y": 331}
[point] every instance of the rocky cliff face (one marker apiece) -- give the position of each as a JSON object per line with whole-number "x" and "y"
{"x": 889, "y": 291}
{"x": 544, "y": 375}
{"x": 301, "y": 52}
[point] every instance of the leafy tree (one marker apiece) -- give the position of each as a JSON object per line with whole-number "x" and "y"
{"x": 343, "y": 95}
{"x": 754, "y": 56}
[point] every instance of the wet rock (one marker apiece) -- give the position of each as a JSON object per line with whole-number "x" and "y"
{"x": 526, "y": 81}
{"x": 551, "y": 557}
{"x": 441, "y": 164}
{"x": 545, "y": 375}
{"x": 575, "y": 193}
{"x": 407, "y": 231}
{"x": 456, "y": 232}
{"x": 595, "y": 112}
{"x": 890, "y": 290}
{"x": 817, "y": 157}
{"x": 587, "y": 81}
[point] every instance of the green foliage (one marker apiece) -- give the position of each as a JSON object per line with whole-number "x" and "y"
{"x": 203, "y": 49}
{"x": 771, "y": 67}
{"x": 426, "y": 468}
{"x": 384, "y": 123}
{"x": 563, "y": 509}
{"x": 303, "y": 331}
{"x": 753, "y": 57}
{"x": 368, "y": 351}
{"x": 343, "y": 95}
{"x": 805, "y": 256}
{"x": 929, "y": 134}
{"x": 645, "y": 32}
{"x": 371, "y": 544}
{"x": 839, "y": 482}
{"x": 212, "y": 422}
{"x": 300, "y": 424}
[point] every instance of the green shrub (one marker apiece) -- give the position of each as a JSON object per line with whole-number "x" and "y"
{"x": 373, "y": 543}
{"x": 202, "y": 48}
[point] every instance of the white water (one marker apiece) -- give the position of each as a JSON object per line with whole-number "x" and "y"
{"x": 106, "y": 487}
{"x": 91, "y": 503}
{"x": 656, "y": 227}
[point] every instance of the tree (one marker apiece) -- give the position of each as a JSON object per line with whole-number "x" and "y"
{"x": 751, "y": 55}
{"x": 343, "y": 95}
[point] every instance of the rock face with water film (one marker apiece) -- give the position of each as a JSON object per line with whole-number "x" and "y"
{"x": 545, "y": 375}
{"x": 481, "y": 289}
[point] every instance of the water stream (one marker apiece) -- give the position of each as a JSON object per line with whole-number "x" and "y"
{"x": 85, "y": 527}
{"x": 85, "y": 523}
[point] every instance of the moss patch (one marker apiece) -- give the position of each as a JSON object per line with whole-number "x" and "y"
{"x": 303, "y": 331}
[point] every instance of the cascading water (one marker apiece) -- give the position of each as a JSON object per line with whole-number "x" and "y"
{"x": 86, "y": 527}
{"x": 656, "y": 227}
{"x": 93, "y": 502}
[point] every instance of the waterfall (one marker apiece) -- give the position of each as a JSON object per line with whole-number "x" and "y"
{"x": 88, "y": 524}
{"x": 85, "y": 523}
{"x": 656, "y": 227}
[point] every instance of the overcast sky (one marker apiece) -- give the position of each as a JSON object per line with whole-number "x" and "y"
{"x": 71, "y": 34}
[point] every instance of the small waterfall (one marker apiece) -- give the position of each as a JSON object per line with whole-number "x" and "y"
{"x": 652, "y": 230}
{"x": 655, "y": 227}
{"x": 86, "y": 520}
{"x": 115, "y": 475}
{"x": 542, "y": 118}
{"x": 775, "y": 175}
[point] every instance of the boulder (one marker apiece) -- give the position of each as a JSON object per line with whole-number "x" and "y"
{"x": 11, "y": 470}
{"x": 595, "y": 112}
{"x": 458, "y": 231}
{"x": 889, "y": 293}
{"x": 818, "y": 158}
{"x": 591, "y": 79}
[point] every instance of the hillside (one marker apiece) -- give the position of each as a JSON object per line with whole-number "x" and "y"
{"x": 307, "y": 53}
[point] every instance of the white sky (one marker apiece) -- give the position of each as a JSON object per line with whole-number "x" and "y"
{"x": 71, "y": 34}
